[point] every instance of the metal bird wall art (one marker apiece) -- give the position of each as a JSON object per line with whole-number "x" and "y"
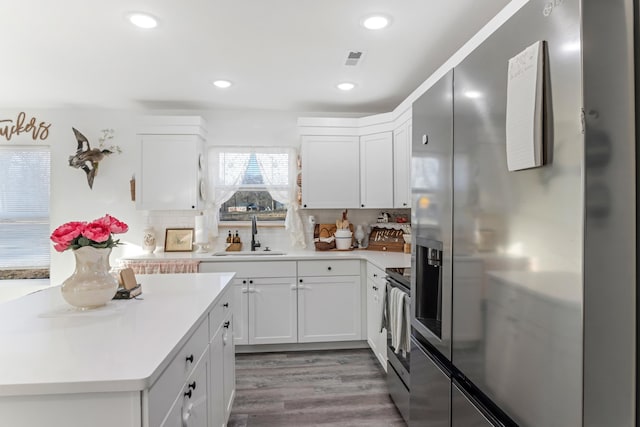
{"x": 87, "y": 158}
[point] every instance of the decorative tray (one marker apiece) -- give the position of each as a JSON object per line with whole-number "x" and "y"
{"x": 324, "y": 237}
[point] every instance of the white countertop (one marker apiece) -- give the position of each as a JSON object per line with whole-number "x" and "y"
{"x": 49, "y": 347}
{"x": 379, "y": 258}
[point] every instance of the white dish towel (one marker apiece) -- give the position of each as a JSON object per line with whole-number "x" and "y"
{"x": 398, "y": 320}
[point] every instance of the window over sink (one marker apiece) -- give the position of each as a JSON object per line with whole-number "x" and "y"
{"x": 248, "y": 181}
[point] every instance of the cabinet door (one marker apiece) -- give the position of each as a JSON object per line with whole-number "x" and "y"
{"x": 217, "y": 409}
{"x": 402, "y": 165}
{"x": 229, "y": 363}
{"x": 170, "y": 176}
{"x": 195, "y": 408}
{"x": 381, "y": 334}
{"x": 174, "y": 417}
{"x": 273, "y": 311}
{"x": 376, "y": 170}
{"x": 240, "y": 314}
{"x": 329, "y": 309}
{"x": 372, "y": 310}
{"x": 330, "y": 172}
{"x": 377, "y": 338}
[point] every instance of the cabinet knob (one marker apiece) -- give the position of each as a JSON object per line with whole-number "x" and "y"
{"x": 300, "y": 280}
{"x": 375, "y": 288}
{"x": 404, "y": 204}
{"x": 244, "y": 282}
{"x": 375, "y": 274}
{"x": 193, "y": 207}
{"x": 362, "y": 206}
{"x": 304, "y": 206}
{"x": 189, "y": 358}
{"x": 250, "y": 281}
{"x": 226, "y": 324}
{"x": 329, "y": 268}
{"x": 188, "y": 394}
{"x": 226, "y": 305}
{"x": 192, "y": 386}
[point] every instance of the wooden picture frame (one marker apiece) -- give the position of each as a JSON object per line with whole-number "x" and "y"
{"x": 178, "y": 240}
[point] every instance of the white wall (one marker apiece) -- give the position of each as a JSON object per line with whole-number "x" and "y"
{"x": 72, "y": 199}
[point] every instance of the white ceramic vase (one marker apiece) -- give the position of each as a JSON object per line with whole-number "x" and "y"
{"x": 149, "y": 240}
{"x": 91, "y": 285}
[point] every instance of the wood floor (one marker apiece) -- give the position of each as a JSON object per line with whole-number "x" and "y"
{"x": 312, "y": 388}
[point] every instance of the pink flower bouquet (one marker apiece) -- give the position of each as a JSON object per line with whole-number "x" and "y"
{"x": 97, "y": 233}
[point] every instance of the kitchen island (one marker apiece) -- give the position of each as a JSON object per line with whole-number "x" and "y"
{"x": 129, "y": 363}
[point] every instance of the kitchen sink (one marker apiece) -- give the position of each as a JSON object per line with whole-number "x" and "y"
{"x": 248, "y": 253}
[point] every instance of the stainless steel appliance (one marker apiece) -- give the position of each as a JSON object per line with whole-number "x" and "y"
{"x": 531, "y": 304}
{"x": 398, "y": 369}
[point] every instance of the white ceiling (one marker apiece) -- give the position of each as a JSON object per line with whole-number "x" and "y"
{"x": 281, "y": 54}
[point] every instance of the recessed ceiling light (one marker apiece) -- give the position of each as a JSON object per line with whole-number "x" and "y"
{"x": 375, "y": 22}
{"x": 345, "y": 86}
{"x": 222, "y": 84}
{"x": 143, "y": 20}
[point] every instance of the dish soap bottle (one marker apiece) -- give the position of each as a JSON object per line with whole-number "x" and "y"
{"x": 229, "y": 238}
{"x": 236, "y": 238}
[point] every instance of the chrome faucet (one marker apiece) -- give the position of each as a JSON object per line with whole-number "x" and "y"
{"x": 254, "y": 231}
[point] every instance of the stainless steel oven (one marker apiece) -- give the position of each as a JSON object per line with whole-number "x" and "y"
{"x": 398, "y": 380}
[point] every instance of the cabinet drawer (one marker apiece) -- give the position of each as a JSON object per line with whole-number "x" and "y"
{"x": 223, "y": 307}
{"x": 191, "y": 402}
{"x": 376, "y": 274}
{"x": 164, "y": 391}
{"x": 329, "y": 268}
{"x": 251, "y": 268}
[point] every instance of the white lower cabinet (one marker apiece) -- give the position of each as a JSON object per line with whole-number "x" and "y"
{"x": 240, "y": 312}
{"x": 376, "y": 336}
{"x": 229, "y": 367}
{"x": 264, "y": 300}
{"x": 272, "y": 306}
{"x": 217, "y": 410}
{"x": 272, "y": 310}
{"x": 198, "y": 386}
{"x": 266, "y": 309}
{"x": 191, "y": 407}
{"x": 329, "y": 309}
{"x": 222, "y": 369}
{"x": 329, "y": 301}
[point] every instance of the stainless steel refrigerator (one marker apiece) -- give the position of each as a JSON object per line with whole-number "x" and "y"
{"x": 524, "y": 282}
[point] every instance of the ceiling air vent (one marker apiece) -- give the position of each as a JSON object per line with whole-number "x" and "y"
{"x": 353, "y": 58}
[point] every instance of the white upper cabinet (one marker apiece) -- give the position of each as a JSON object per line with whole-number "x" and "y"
{"x": 356, "y": 162}
{"x": 376, "y": 170}
{"x": 402, "y": 165}
{"x": 330, "y": 172}
{"x": 172, "y": 173}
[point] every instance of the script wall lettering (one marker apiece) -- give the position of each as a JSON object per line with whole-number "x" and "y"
{"x": 10, "y": 128}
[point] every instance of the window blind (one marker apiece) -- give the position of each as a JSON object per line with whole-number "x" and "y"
{"x": 24, "y": 207}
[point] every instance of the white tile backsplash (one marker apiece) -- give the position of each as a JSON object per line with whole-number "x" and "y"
{"x": 275, "y": 237}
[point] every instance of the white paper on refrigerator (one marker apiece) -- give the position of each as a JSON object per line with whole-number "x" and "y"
{"x": 525, "y": 113}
